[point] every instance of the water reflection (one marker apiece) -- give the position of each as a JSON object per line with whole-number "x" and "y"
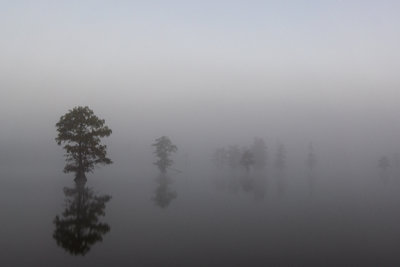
{"x": 253, "y": 183}
{"x": 163, "y": 194}
{"x": 79, "y": 226}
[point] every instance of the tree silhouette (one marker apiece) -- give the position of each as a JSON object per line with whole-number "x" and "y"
{"x": 79, "y": 227}
{"x": 164, "y": 148}
{"x": 80, "y": 131}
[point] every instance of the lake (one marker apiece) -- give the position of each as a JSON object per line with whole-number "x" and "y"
{"x": 200, "y": 217}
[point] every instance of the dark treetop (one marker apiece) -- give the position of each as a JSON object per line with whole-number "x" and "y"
{"x": 80, "y": 131}
{"x": 164, "y": 148}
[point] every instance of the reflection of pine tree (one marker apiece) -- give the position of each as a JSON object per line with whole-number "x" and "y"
{"x": 163, "y": 193}
{"x": 79, "y": 227}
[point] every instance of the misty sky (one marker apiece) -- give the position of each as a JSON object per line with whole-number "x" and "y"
{"x": 318, "y": 70}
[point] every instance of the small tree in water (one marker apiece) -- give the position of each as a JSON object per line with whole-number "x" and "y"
{"x": 164, "y": 148}
{"x": 80, "y": 131}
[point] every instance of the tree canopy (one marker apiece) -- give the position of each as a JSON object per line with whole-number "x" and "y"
{"x": 164, "y": 148}
{"x": 80, "y": 133}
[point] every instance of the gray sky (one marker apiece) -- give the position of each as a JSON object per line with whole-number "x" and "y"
{"x": 311, "y": 69}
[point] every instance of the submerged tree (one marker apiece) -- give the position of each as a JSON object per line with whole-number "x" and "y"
{"x": 79, "y": 226}
{"x": 80, "y": 131}
{"x": 164, "y": 148}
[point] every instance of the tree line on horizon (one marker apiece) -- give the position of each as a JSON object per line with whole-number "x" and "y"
{"x": 80, "y": 133}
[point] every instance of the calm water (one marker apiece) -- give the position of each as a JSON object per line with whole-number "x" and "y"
{"x": 196, "y": 218}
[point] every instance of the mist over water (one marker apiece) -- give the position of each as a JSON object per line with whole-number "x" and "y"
{"x": 284, "y": 115}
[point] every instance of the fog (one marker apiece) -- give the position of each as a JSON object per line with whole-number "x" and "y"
{"x": 317, "y": 82}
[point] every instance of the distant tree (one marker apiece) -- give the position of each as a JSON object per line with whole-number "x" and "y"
{"x": 79, "y": 227}
{"x": 280, "y": 158}
{"x": 259, "y": 150}
{"x": 80, "y": 131}
{"x": 164, "y": 148}
{"x": 384, "y": 163}
{"x": 247, "y": 160}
